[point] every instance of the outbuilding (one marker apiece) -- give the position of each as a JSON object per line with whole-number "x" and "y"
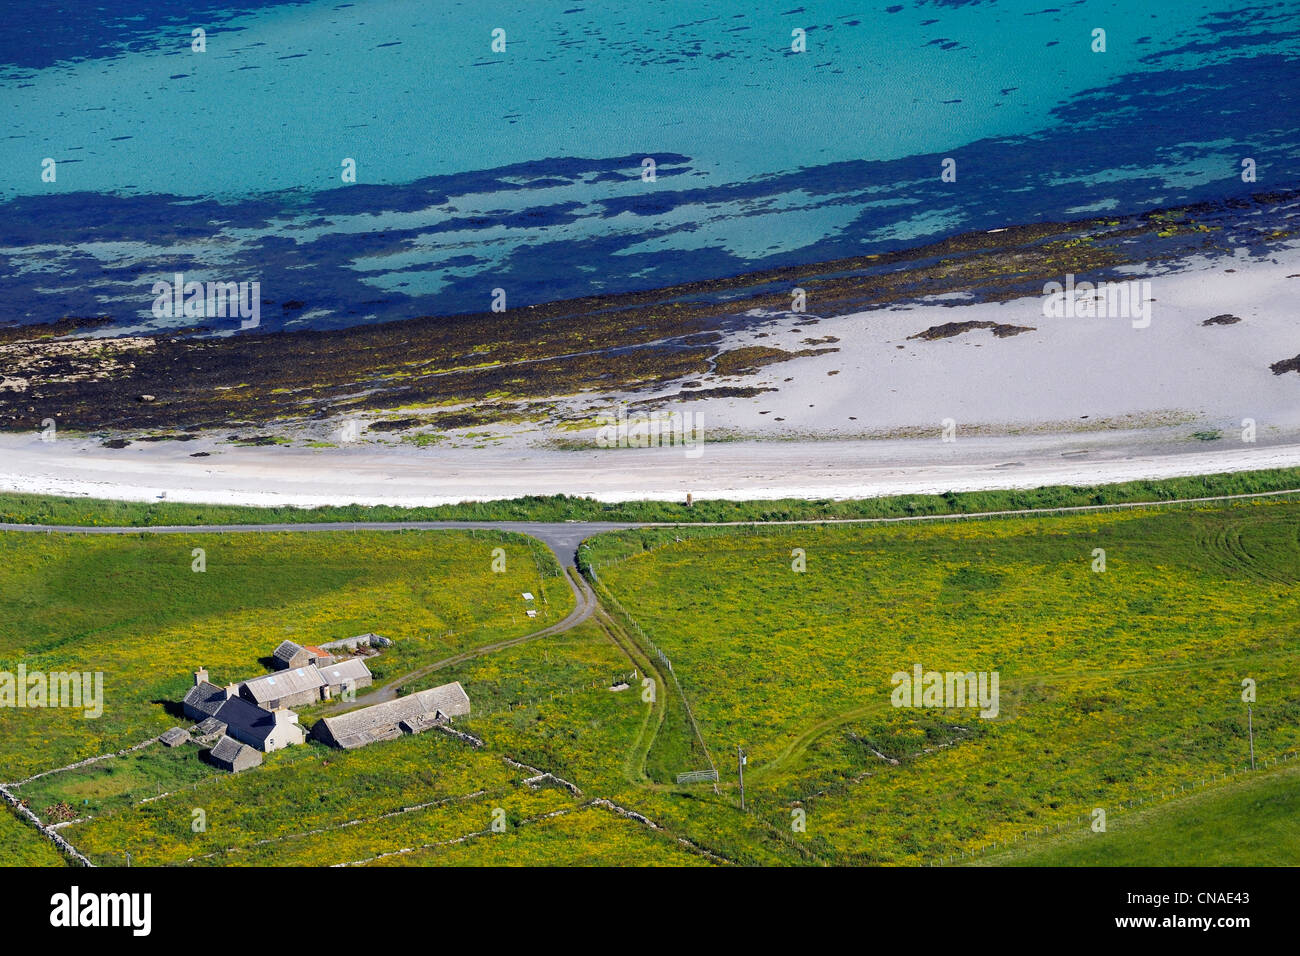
{"x": 291, "y": 688}
{"x": 290, "y": 655}
{"x": 412, "y": 714}
{"x": 231, "y": 755}
{"x": 348, "y": 674}
{"x": 204, "y": 699}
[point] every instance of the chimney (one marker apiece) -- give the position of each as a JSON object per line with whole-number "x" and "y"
{"x": 200, "y": 676}
{"x": 232, "y": 691}
{"x": 284, "y": 717}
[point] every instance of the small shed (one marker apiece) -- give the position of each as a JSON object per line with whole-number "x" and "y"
{"x": 232, "y": 756}
{"x": 290, "y": 655}
{"x": 174, "y": 737}
{"x": 319, "y": 656}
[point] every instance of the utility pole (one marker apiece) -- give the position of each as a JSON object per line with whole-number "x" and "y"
{"x": 740, "y": 766}
{"x": 1250, "y": 723}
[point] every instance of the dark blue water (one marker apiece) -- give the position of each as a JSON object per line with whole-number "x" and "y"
{"x": 522, "y": 170}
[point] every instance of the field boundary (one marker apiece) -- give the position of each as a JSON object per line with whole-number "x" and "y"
{"x": 652, "y": 649}
{"x": 1166, "y": 795}
{"x": 66, "y": 848}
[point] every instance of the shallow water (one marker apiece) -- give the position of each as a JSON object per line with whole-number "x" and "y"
{"x": 522, "y": 170}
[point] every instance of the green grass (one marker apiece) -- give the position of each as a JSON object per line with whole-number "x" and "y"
{"x": 1253, "y": 820}
{"x": 546, "y": 704}
{"x": 1114, "y": 685}
{"x": 590, "y": 836}
{"x": 132, "y": 608}
{"x": 45, "y": 509}
{"x": 21, "y": 845}
{"x": 109, "y": 784}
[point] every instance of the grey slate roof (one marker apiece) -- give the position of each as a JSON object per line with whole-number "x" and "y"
{"x": 204, "y": 698}
{"x": 249, "y": 720}
{"x": 174, "y": 737}
{"x": 378, "y": 721}
{"x": 284, "y": 683}
{"x": 346, "y": 671}
{"x": 286, "y": 652}
{"x": 229, "y": 752}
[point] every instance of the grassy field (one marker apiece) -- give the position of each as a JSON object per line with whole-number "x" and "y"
{"x": 1253, "y": 820}
{"x": 21, "y": 845}
{"x": 1116, "y": 687}
{"x": 1114, "y": 684}
{"x": 47, "y": 509}
{"x": 134, "y": 609}
{"x": 541, "y": 707}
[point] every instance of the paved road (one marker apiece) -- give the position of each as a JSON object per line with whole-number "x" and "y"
{"x": 563, "y": 537}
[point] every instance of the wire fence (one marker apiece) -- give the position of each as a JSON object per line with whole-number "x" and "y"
{"x": 649, "y": 646}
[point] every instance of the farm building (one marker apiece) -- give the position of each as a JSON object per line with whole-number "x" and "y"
{"x": 174, "y": 737}
{"x": 265, "y": 730}
{"x": 340, "y": 676}
{"x": 412, "y": 715}
{"x": 233, "y": 756}
{"x": 204, "y": 699}
{"x": 361, "y": 640}
{"x": 288, "y": 688}
{"x": 319, "y": 656}
{"x": 290, "y": 655}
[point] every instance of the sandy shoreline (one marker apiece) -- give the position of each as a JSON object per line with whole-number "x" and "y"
{"x": 1061, "y": 375}
{"x": 731, "y": 470}
{"x": 1079, "y": 400}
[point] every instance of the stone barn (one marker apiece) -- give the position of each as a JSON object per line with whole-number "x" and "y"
{"x": 291, "y": 688}
{"x": 233, "y": 756}
{"x": 411, "y": 714}
{"x": 290, "y": 655}
{"x": 351, "y": 673}
{"x": 204, "y": 699}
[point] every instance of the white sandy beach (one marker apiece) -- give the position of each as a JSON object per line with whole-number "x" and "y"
{"x": 1077, "y": 401}
{"x": 1069, "y": 374}
{"x": 733, "y": 470}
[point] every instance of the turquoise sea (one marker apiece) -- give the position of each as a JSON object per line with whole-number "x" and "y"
{"x": 521, "y": 168}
